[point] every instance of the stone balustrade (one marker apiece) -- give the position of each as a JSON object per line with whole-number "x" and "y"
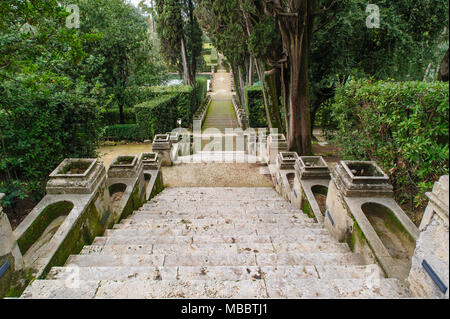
{"x": 429, "y": 276}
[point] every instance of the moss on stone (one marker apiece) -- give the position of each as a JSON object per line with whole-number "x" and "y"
{"x": 49, "y": 214}
{"x": 306, "y": 207}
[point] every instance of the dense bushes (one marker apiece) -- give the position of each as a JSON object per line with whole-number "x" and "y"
{"x": 402, "y": 126}
{"x": 129, "y": 132}
{"x": 42, "y": 121}
{"x": 256, "y": 111}
{"x": 157, "y": 116}
{"x": 159, "y": 108}
{"x": 112, "y": 116}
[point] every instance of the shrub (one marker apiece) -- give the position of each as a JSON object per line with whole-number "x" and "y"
{"x": 402, "y": 126}
{"x": 42, "y": 121}
{"x": 112, "y": 116}
{"x": 214, "y": 56}
{"x": 157, "y": 116}
{"x": 165, "y": 105}
{"x": 129, "y": 132}
{"x": 254, "y": 103}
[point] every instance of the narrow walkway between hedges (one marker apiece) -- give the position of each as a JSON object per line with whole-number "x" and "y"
{"x": 221, "y": 114}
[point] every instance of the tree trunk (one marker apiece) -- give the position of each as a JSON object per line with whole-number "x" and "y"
{"x": 296, "y": 31}
{"x": 184, "y": 59}
{"x": 250, "y": 71}
{"x": 271, "y": 96}
{"x": 443, "y": 70}
{"x": 241, "y": 86}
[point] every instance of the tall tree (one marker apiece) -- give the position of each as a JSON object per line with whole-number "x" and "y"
{"x": 180, "y": 35}
{"x": 121, "y": 34}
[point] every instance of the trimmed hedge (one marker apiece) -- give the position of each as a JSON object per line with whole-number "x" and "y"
{"x": 402, "y": 126}
{"x": 129, "y": 132}
{"x": 157, "y": 116}
{"x": 254, "y": 104}
{"x": 112, "y": 116}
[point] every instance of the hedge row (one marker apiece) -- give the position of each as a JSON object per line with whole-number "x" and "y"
{"x": 402, "y": 126}
{"x": 157, "y": 116}
{"x": 254, "y": 104}
{"x": 112, "y": 116}
{"x": 129, "y": 132}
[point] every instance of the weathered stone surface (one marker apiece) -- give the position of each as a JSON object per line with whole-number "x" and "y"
{"x": 151, "y": 161}
{"x": 373, "y": 183}
{"x": 132, "y": 170}
{"x": 189, "y": 243}
{"x": 433, "y": 246}
{"x": 62, "y": 182}
{"x": 312, "y": 167}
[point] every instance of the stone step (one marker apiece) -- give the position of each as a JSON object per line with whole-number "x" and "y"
{"x": 313, "y": 236}
{"x": 199, "y": 259}
{"x": 213, "y": 273}
{"x": 245, "y": 289}
{"x": 217, "y": 213}
{"x": 148, "y": 220}
{"x": 138, "y": 289}
{"x": 220, "y": 230}
{"x": 215, "y": 191}
{"x": 215, "y": 223}
{"x": 336, "y": 288}
{"x": 209, "y": 248}
{"x": 212, "y": 204}
{"x": 218, "y": 197}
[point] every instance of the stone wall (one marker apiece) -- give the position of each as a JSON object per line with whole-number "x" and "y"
{"x": 11, "y": 261}
{"x": 429, "y": 276}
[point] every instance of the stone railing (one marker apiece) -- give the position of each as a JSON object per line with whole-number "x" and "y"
{"x": 429, "y": 276}
{"x": 11, "y": 260}
{"x": 355, "y": 203}
{"x": 82, "y": 201}
{"x": 240, "y": 113}
{"x": 201, "y": 112}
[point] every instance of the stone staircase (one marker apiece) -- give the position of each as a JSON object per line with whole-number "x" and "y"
{"x": 216, "y": 243}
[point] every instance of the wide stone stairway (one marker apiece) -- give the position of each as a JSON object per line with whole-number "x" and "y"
{"x": 216, "y": 243}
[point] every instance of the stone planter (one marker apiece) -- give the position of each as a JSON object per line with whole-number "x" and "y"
{"x": 286, "y": 160}
{"x": 76, "y": 176}
{"x": 151, "y": 161}
{"x": 362, "y": 179}
{"x": 312, "y": 167}
{"x": 175, "y": 137}
{"x": 163, "y": 145}
{"x": 360, "y": 210}
{"x": 312, "y": 178}
{"x": 126, "y": 167}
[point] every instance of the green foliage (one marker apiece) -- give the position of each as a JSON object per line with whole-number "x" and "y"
{"x": 161, "y": 107}
{"x": 120, "y": 132}
{"x": 256, "y": 111}
{"x": 176, "y": 23}
{"x": 157, "y": 116}
{"x": 112, "y": 116}
{"x": 403, "y": 126}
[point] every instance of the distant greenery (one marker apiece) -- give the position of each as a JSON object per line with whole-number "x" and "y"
{"x": 58, "y": 83}
{"x": 403, "y": 126}
{"x": 254, "y": 102}
{"x": 129, "y": 132}
{"x": 158, "y": 115}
